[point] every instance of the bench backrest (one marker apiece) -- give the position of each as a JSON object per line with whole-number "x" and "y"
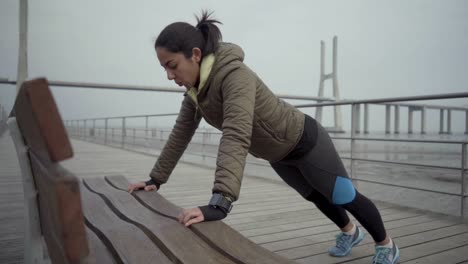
{"x": 59, "y": 202}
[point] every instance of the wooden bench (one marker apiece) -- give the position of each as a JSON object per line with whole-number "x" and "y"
{"x": 96, "y": 220}
{"x": 3, "y": 120}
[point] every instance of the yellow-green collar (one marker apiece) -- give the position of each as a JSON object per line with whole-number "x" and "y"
{"x": 205, "y": 70}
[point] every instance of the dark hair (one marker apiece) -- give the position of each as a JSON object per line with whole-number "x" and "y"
{"x": 183, "y": 37}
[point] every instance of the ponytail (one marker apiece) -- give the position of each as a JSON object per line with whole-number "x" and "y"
{"x": 210, "y": 32}
{"x": 183, "y": 37}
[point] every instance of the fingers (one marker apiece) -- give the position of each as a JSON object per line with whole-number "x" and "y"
{"x": 150, "y": 188}
{"x": 135, "y": 186}
{"x": 131, "y": 188}
{"x": 194, "y": 220}
{"x": 191, "y": 216}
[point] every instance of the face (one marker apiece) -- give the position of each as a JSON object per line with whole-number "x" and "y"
{"x": 184, "y": 71}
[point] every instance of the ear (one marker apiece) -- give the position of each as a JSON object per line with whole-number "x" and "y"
{"x": 196, "y": 55}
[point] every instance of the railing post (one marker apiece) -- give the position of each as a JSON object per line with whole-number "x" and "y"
{"x": 85, "y": 131}
{"x": 358, "y": 119}
{"x": 124, "y": 132}
{"x": 410, "y": 120}
{"x": 353, "y": 132}
{"x": 146, "y": 127}
{"x": 423, "y": 120}
{"x": 463, "y": 177}
{"x": 94, "y": 128}
{"x": 366, "y": 119}
{"x": 134, "y": 136}
{"x": 397, "y": 120}
{"x": 387, "y": 119}
{"x": 441, "y": 129}
{"x": 466, "y": 122}
{"x": 449, "y": 121}
{"x": 146, "y": 141}
{"x": 105, "y": 131}
{"x": 78, "y": 128}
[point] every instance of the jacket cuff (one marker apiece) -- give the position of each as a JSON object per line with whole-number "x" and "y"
{"x": 152, "y": 182}
{"x": 211, "y": 213}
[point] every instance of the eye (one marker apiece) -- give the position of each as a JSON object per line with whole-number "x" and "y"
{"x": 172, "y": 66}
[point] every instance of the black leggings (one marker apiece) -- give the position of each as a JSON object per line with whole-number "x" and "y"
{"x": 361, "y": 208}
{"x": 314, "y": 176}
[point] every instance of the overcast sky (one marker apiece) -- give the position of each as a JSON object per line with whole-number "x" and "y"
{"x": 385, "y": 48}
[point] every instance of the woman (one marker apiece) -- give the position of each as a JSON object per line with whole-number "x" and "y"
{"x": 222, "y": 90}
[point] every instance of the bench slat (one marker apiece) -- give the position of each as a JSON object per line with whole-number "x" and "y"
{"x": 119, "y": 233}
{"x": 98, "y": 252}
{"x": 216, "y": 233}
{"x": 176, "y": 241}
{"x": 40, "y": 122}
{"x": 61, "y": 218}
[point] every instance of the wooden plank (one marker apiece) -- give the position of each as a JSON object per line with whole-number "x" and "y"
{"x": 282, "y": 235}
{"x": 311, "y": 240}
{"x": 318, "y": 251}
{"x": 364, "y": 252}
{"x": 98, "y": 252}
{"x": 420, "y": 250}
{"x": 61, "y": 217}
{"x": 40, "y": 122}
{"x": 216, "y": 233}
{"x": 456, "y": 255}
{"x": 264, "y": 218}
{"x": 389, "y": 214}
{"x": 176, "y": 241}
{"x": 128, "y": 242}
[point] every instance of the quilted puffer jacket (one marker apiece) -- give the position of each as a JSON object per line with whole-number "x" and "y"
{"x": 252, "y": 119}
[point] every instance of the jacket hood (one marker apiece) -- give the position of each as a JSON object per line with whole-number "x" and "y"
{"x": 227, "y": 55}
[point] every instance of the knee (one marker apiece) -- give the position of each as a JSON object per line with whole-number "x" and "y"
{"x": 343, "y": 191}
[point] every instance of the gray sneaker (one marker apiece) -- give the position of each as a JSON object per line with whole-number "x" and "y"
{"x": 385, "y": 255}
{"x": 344, "y": 243}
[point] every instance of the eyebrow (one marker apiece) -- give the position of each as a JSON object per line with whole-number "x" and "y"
{"x": 167, "y": 62}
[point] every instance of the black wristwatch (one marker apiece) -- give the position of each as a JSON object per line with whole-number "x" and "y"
{"x": 219, "y": 201}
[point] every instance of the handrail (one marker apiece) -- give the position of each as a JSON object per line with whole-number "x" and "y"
{"x": 89, "y": 85}
{"x": 389, "y": 100}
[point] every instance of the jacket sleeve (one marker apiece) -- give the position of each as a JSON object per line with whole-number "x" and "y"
{"x": 186, "y": 124}
{"x": 238, "y": 92}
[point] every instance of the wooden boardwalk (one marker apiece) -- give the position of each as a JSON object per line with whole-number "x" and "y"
{"x": 268, "y": 212}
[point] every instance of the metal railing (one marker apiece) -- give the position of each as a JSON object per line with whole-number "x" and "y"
{"x": 202, "y": 146}
{"x": 123, "y": 135}
{"x": 355, "y": 104}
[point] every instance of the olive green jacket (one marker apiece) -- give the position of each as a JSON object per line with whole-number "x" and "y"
{"x": 252, "y": 119}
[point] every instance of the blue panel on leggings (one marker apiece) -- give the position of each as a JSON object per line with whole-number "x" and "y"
{"x": 344, "y": 191}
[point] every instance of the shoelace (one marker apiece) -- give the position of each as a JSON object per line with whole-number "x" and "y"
{"x": 341, "y": 241}
{"x": 381, "y": 254}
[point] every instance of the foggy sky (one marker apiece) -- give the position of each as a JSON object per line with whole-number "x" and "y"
{"x": 385, "y": 48}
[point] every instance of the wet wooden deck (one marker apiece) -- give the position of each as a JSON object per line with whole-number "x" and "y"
{"x": 268, "y": 212}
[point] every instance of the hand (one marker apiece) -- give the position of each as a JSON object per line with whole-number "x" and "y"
{"x": 140, "y": 185}
{"x": 191, "y": 216}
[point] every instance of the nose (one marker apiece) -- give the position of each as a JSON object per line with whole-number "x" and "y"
{"x": 170, "y": 75}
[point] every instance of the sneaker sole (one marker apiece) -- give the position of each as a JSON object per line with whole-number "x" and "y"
{"x": 397, "y": 256}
